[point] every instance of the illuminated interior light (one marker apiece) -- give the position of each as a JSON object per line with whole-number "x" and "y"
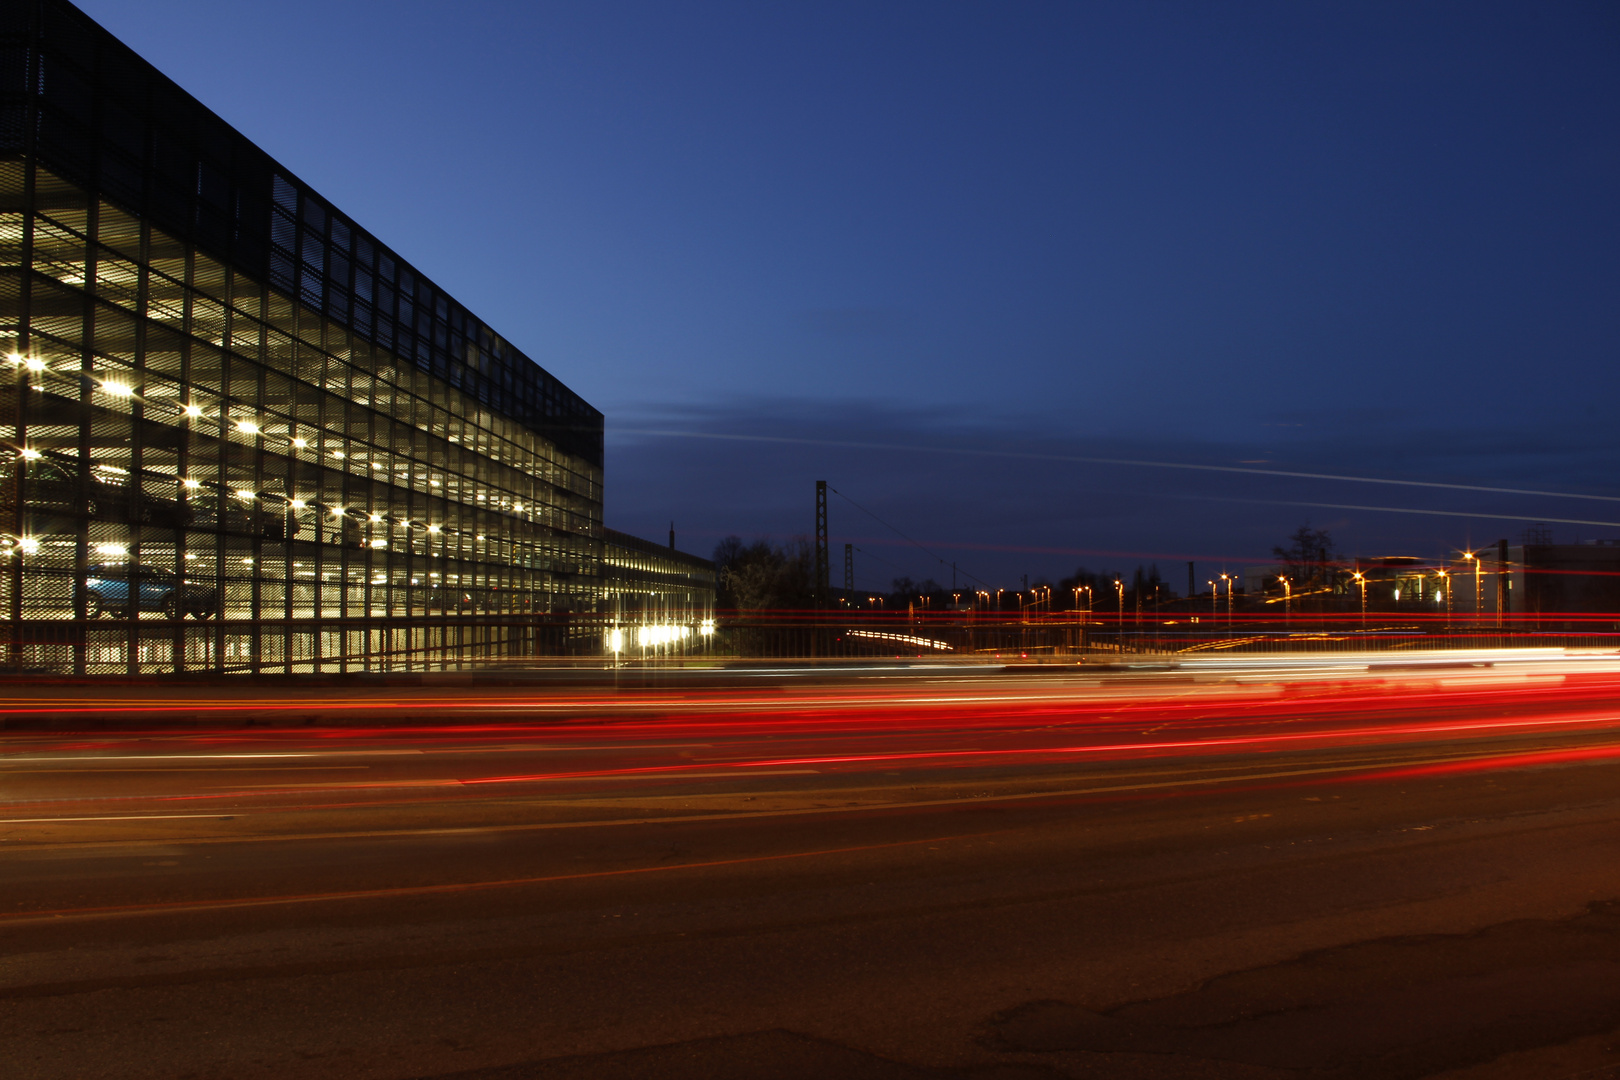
{"x": 118, "y": 389}
{"x": 337, "y": 511}
{"x": 34, "y": 363}
{"x": 376, "y": 465}
{"x": 661, "y": 635}
{"x": 433, "y": 528}
{"x": 29, "y": 545}
{"x": 191, "y": 555}
{"x": 297, "y": 504}
{"x": 248, "y": 427}
{"x": 15, "y": 358}
{"x": 29, "y": 453}
{"x": 374, "y": 518}
{"x": 248, "y": 560}
{"x": 244, "y": 493}
{"x": 191, "y": 484}
{"x": 379, "y": 543}
{"x": 111, "y": 549}
{"x": 193, "y": 410}
{"x": 480, "y": 536}
{"x": 616, "y": 640}
{"x": 337, "y": 453}
{"x": 300, "y": 443}
{"x": 435, "y": 483}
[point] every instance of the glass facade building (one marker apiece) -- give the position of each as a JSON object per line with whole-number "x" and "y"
{"x": 656, "y": 601}
{"x": 238, "y": 432}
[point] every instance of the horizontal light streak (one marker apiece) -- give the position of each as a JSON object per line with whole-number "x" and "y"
{"x": 1135, "y": 463}
{"x": 119, "y": 817}
{"x": 172, "y": 906}
{"x": 763, "y": 766}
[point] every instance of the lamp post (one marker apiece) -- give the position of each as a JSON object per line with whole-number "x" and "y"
{"x": 1119, "y": 587}
{"x": 1288, "y": 599}
{"x": 1229, "y": 582}
{"x": 1361, "y": 579}
{"x": 1473, "y": 556}
{"x": 1214, "y": 600}
{"x": 1445, "y": 584}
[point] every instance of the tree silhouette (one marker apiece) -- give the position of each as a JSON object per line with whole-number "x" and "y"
{"x": 1308, "y": 560}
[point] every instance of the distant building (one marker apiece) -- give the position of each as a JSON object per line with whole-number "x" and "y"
{"x": 1544, "y": 581}
{"x": 655, "y": 599}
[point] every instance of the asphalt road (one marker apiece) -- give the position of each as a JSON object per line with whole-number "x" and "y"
{"x": 1223, "y": 871}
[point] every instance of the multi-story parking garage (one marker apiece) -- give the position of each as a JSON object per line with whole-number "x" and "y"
{"x": 240, "y": 432}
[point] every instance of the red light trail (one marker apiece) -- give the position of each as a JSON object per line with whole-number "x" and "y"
{"x": 592, "y": 740}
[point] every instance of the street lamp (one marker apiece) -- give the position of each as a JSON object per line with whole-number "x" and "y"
{"x": 1229, "y": 583}
{"x": 1361, "y": 579}
{"x": 1288, "y": 599}
{"x": 1473, "y": 557}
{"x": 1119, "y": 587}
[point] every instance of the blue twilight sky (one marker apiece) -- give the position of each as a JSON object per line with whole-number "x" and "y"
{"x": 1361, "y": 238}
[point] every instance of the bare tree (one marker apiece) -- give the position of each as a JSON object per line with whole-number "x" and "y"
{"x": 762, "y": 576}
{"x": 1308, "y": 560}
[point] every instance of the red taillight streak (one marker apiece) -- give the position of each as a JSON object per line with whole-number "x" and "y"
{"x": 803, "y": 706}
{"x": 882, "y": 716}
{"x": 676, "y": 770}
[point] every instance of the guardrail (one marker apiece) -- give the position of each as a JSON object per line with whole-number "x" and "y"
{"x": 153, "y": 644}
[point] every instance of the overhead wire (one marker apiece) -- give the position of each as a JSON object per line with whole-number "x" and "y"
{"x": 942, "y": 561}
{"x": 881, "y": 559}
{"x": 1135, "y": 463}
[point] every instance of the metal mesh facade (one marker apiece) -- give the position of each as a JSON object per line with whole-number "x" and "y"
{"x": 240, "y": 433}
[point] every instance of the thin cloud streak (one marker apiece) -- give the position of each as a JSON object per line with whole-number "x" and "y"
{"x": 1398, "y": 510}
{"x": 1135, "y": 463}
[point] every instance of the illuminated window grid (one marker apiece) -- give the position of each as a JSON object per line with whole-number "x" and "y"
{"x": 179, "y": 314}
{"x": 435, "y": 502}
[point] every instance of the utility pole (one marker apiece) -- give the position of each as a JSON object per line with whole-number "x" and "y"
{"x": 823, "y": 569}
{"x": 1502, "y": 580}
{"x": 849, "y": 568}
